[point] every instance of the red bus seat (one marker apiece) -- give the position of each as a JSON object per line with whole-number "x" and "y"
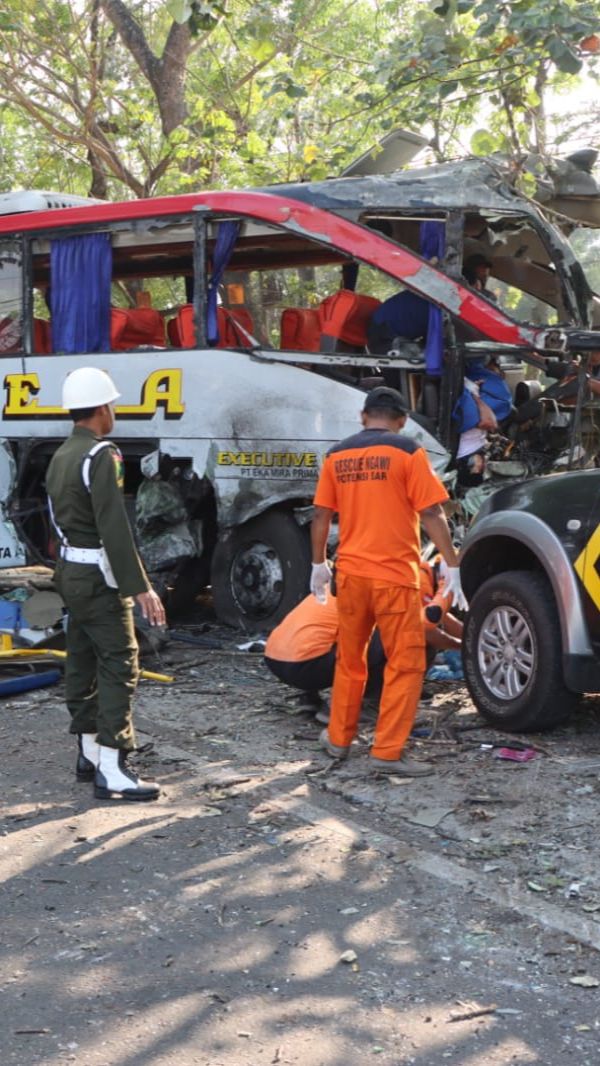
{"x": 228, "y": 320}
{"x": 182, "y": 335}
{"x": 118, "y": 321}
{"x": 300, "y": 329}
{"x": 180, "y": 326}
{"x": 344, "y": 317}
{"x": 141, "y": 326}
{"x": 42, "y": 336}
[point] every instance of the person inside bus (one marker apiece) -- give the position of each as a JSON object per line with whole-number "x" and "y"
{"x": 405, "y": 315}
{"x": 476, "y": 270}
{"x": 485, "y": 402}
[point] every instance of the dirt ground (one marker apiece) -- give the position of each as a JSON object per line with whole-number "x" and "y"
{"x": 212, "y": 928}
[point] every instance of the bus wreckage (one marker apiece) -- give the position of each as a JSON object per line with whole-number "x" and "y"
{"x": 235, "y": 326}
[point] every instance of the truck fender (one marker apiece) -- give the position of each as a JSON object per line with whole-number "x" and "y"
{"x": 530, "y": 531}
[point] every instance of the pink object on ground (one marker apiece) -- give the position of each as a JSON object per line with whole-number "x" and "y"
{"x": 515, "y": 755}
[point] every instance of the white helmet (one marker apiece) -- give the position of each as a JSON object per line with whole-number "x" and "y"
{"x": 88, "y": 387}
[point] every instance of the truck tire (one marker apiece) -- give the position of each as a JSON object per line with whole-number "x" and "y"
{"x": 512, "y": 653}
{"x": 260, "y": 570}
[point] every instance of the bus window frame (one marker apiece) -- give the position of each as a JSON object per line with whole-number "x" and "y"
{"x": 26, "y": 295}
{"x": 317, "y": 223}
{"x": 196, "y": 218}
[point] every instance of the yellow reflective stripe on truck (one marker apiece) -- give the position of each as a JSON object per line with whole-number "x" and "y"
{"x": 585, "y": 567}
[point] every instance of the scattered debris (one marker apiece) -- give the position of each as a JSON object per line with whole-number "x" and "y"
{"x": 28, "y": 682}
{"x": 478, "y": 1012}
{"x": 515, "y": 754}
{"x": 198, "y": 642}
{"x": 348, "y": 956}
{"x": 256, "y": 644}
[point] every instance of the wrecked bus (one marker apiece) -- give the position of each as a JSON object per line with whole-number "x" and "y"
{"x": 234, "y": 325}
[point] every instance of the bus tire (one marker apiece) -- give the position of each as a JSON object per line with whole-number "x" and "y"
{"x": 260, "y": 571}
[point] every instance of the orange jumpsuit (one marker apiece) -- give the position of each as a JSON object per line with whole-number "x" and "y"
{"x": 378, "y": 481}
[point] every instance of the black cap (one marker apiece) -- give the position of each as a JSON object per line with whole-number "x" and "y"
{"x": 384, "y": 398}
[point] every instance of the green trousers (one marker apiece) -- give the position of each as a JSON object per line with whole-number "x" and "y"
{"x": 101, "y": 670}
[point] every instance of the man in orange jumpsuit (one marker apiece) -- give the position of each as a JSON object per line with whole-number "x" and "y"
{"x": 381, "y": 485}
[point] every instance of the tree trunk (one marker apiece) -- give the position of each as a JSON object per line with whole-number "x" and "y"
{"x": 99, "y": 185}
{"x": 167, "y": 74}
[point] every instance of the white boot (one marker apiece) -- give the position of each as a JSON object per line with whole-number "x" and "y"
{"x": 114, "y": 780}
{"x": 88, "y": 757}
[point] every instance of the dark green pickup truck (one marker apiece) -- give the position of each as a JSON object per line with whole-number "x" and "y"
{"x": 530, "y": 567}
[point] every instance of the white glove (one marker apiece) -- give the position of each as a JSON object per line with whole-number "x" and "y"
{"x": 453, "y": 587}
{"x": 320, "y": 579}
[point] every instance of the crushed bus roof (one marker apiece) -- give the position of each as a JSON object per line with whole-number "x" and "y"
{"x": 471, "y": 183}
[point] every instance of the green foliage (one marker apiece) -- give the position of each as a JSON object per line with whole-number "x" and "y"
{"x": 483, "y": 143}
{"x": 199, "y": 14}
{"x": 271, "y": 91}
{"x": 465, "y": 54}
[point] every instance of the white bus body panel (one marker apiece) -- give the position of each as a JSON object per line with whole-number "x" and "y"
{"x": 256, "y": 428}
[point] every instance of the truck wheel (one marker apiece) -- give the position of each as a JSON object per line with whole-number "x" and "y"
{"x": 512, "y": 652}
{"x": 260, "y": 571}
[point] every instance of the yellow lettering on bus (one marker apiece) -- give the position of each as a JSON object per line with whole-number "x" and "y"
{"x": 162, "y": 388}
{"x": 267, "y": 459}
{"x": 21, "y": 390}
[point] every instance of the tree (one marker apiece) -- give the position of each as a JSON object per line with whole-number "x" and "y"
{"x": 138, "y": 97}
{"x": 155, "y": 96}
{"x": 468, "y": 58}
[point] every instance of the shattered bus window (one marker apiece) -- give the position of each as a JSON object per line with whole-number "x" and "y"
{"x": 11, "y": 288}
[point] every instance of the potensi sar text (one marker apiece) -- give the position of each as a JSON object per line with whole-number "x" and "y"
{"x": 361, "y": 468}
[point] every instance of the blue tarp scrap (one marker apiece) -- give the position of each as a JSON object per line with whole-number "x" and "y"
{"x": 450, "y": 667}
{"x": 10, "y": 616}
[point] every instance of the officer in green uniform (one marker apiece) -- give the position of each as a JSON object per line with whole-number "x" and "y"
{"x": 98, "y": 574}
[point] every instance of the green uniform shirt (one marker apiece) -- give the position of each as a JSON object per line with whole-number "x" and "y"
{"x": 90, "y": 518}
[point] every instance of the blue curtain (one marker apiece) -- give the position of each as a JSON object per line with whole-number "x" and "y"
{"x": 226, "y": 238}
{"x": 80, "y": 280}
{"x": 433, "y": 243}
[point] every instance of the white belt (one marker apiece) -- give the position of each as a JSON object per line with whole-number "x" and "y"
{"x": 81, "y": 555}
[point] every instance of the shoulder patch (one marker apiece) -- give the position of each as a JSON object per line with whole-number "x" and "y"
{"x": 119, "y": 465}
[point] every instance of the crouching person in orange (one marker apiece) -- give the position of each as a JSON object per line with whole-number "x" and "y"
{"x": 300, "y": 651}
{"x": 381, "y": 485}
